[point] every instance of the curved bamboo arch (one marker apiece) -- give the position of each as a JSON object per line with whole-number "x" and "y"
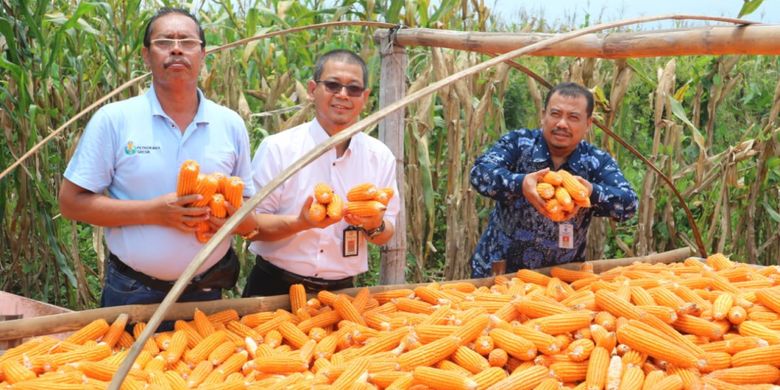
{"x": 331, "y": 142}
{"x": 691, "y": 220}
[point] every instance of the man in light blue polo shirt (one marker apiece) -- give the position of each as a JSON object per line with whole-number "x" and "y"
{"x": 124, "y": 172}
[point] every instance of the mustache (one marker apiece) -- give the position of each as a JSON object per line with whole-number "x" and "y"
{"x": 176, "y": 61}
{"x": 558, "y": 131}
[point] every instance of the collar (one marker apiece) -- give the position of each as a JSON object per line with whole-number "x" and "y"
{"x": 541, "y": 155}
{"x": 319, "y": 135}
{"x": 154, "y": 102}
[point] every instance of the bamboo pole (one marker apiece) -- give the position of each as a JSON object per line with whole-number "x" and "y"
{"x": 38, "y": 326}
{"x": 315, "y": 153}
{"x": 392, "y": 87}
{"x": 751, "y": 39}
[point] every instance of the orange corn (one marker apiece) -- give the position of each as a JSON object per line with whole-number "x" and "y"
{"x": 323, "y": 193}
{"x": 202, "y": 323}
{"x": 204, "y": 348}
{"x": 344, "y": 307}
{"x": 429, "y": 354}
{"x": 92, "y": 331}
{"x": 317, "y": 212}
{"x": 564, "y": 199}
{"x": 598, "y": 364}
{"x": 365, "y": 208}
{"x": 234, "y": 191}
{"x": 442, "y": 379}
{"x": 335, "y": 209}
{"x": 545, "y": 190}
{"x": 188, "y": 178}
{"x": 656, "y": 346}
{"x": 553, "y": 178}
{"x": 362, "y": 192}
{"x": 177, "y": 346}
{"x": 294, "y": 336}
{"x": 297, "y": 297}
{"x": 513, "y": 344}
{"x": 573, "y": 186}
{"x": 745, "y": 375}
{"x": 525, "y": 379}
{"x": 207, "y": 186}
{"x": 217, "y": 206}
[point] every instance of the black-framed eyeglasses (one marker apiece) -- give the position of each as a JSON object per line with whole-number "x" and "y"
{"x": 335, "y": 87}
{"x": 184, "y": 44}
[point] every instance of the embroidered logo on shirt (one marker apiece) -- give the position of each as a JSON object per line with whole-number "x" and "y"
{"x": 132, "y": 149}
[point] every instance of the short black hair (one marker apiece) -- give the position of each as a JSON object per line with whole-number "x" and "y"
{"x": 571, "y": 90}
{"x": 341, "y": 55}
{"x": 167, "y": 11}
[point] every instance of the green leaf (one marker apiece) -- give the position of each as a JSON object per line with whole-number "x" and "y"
{"x": 679, "y": 112}
{"x": 749, "y": 7}
{"x": 772, "y": 213}
{"x": 394, "y": 11}
{"x": 773, "y": 162}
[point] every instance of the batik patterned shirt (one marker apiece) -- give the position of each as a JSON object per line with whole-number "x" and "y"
{"x": 516, "y": 231}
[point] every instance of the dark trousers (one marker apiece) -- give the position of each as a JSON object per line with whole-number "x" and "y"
{"x": 267, "y": 279}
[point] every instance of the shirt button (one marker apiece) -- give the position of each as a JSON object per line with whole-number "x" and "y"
{"x": 334, "y": 164}
{"x": 322, "y": 250}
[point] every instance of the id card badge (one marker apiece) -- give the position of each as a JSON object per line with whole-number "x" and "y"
{"x": 349, "y": 242}
{"x": 566, "y": 236}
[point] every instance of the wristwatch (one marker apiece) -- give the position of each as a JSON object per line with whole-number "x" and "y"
{"x": 375, "y": 231}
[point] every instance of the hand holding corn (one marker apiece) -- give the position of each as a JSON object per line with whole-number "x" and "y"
{"x": 558, "y": 195}
{"x": 323, "y": 209}
{"x": 366, "y": 205}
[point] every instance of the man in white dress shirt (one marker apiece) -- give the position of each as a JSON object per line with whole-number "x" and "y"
{"x": 290, "y": 247}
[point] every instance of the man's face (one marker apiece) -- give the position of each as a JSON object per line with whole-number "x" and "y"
{"x": 177, "y": 63}
{"x": 565, "y": 122}
{"x": 337, "y": 110}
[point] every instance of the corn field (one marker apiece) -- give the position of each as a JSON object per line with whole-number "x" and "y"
{"x": 709, "y": 122}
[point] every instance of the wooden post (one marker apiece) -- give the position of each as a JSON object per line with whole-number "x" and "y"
{"x": 392, "y": 87}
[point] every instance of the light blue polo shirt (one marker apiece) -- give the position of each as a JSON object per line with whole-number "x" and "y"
{"x": 133, "y": 150}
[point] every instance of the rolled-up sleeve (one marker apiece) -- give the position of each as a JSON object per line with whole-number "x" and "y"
{"x": 491, "y": 175}
{"x": 612, "y": 194}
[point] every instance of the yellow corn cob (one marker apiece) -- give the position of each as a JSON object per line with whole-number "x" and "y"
{"x": 598, "y": 363}
{"x": 280, "y": 364}
{"x": 580, "y": 350}
{"x": 605, "y": 319}
{"x": 441, "y": 379}
{"x": 207, "y": 186}
{"x": 471, "y": 329}
{"x": 297, "y": 297}
{"x": 149, "y": 345}
{"x": 217, "y": 206}
{"x": 125, "y": 341}
{"x": 553, "y": 178}
{"x": 362, "y": 192}
{"x": 603, "y": 338}
{"x": 564, "y": 322}
{"x": 753, "y": 328}
{"x": 607, "y": 300}
{"x": 564, "y": 199}
{"x": 221, "y": 353}
{"x": 769, "y": 298}
{"x": 548, "y": 384}
{"x": 737, "y": 315}
{"x": 243, "y": 331}
{"x": 402, "y": 383}
{"x": 204, "y": 348}
{"x": 544, "y": 342}
{"x": 470, "y": 360}
{"x": 322, "y": 320}
{"x": 270, "y": 325}
{"x": 757, "y": 356}
{"x": 175, "y": 380}
{"x": 188, "y": 177}
{"x": 255, "y": 319}
{"x": 545, "y": 190}
{"x": 656, "y": 347}
{"x": 294, "y": 336}
{"x": 386, "y": 296}
{"x": 202, "y": 324}
{"x": 14, "y": 372}
{"x": 199, "y": 373}
{"x": 429, "y": 354}
{"x": 573, "y": 186}
{"x": 383, "y": 196}
{"x": 344, "y": 307}
{"x": 498, "y": 357}
{"x": 114, "y": 332}
{"x": 193, "y": 337}
{"x": 414, "y": 306}
{"x": 525, "y": 379}
{"x": 386, "y": 341}
{"x": 698, "y": 326}
{"x": 483, "y": 344}
{"x": 723, "y": 385}
{"x": 317, "y": 212}
{"x": 451, "y": 366}
{"x": 513, "y": 344}
{"x": 489, "y": 377}
{"x": 234, "y": 191}
{"x": 632, "y": 379}
{"x": 87, "y": 352}
{"x": 719, "y": 262}
{"x": 553, "y": 207}
{"x": 233, "y": 363}
{"x": 323, "y": 193}
{"x": 355, "y": 373}
{"x": 745, "y": 375}
{"x": 98, "y": 370}
{"x": 177, "y": 346}
{"x": 365, "y": 208}
{"x": 335, "y": 209}
{"x": 92, "y": 331}
{"x": 640, "y": 297}
{"x": 223, "y": 316}
{"x": 716, "y": 361}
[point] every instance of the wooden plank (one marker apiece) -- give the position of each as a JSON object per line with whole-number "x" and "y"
{"x": 713, "y": 40}
{"x": 392, "y": 87}
{"x": 27, "y": 327}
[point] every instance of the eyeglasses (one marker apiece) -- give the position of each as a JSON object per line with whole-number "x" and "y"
{"x": 185, "y": 44}
{"x": 335, "y": 87}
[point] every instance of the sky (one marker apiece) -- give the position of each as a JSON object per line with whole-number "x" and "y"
{"x": 564, "y": 11}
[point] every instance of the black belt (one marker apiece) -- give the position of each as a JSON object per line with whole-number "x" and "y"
{"x": 311, "y": 284}
{"x": 146, "y": 280}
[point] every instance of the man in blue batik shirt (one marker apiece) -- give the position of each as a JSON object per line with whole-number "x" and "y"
{"x": 520, "y": 230}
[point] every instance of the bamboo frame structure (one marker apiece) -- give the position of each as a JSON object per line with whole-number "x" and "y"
{"x": 749, "y": 39}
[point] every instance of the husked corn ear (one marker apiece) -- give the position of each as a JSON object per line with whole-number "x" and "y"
{"x": 516, "y": 346}
{"x": 441, "y": 379}
{"x": 656, "y": 346}
{"x": 384, "y": 195}
{"x": 92, "y": 331}
{"x": 564, "y": 199}
{"x": 207, "y": 186}
{"x": 234, "y": 191}
{"x": 553, "y": 207}
{"x": 187, "y": 182}
{"x": 14, "y": 372}
{"x": 365, "y": 208}
{"x": 545, "y": 190}
{"x": 323, "y": 193}
{"x": 757, "y": 356}
{"x": 217, "y": 206}
{"x": 297, "y": 297}
{"x": 745, "y": 375}
{"x": 573, "y": 186}
{"x": 553, "y": 178}
{"x": 365, "y": 191}
{"x": 202, "y": 323}
{"x": 204, "y": 348}
{"x": 317, "y": 212}
{"x": 335, "y": 209}
{"x": 598, "y": 363}
{"x": 115, "y": 330}
{"x": 429, "y": 354}
{"x": 525, "y": 379}
{"x": 769, "y": 297}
